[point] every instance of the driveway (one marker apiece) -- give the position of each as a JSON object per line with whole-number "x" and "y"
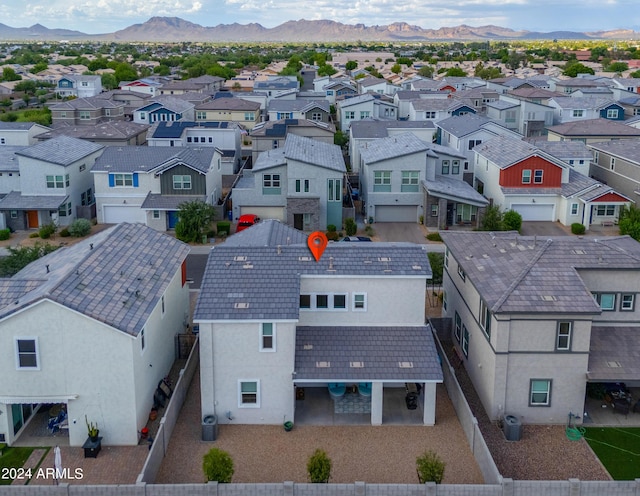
{"x": 405, "y": 231}
{"x": 543, "y": 229}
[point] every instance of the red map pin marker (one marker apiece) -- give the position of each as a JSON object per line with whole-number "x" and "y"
{"x": 317, "y": 242}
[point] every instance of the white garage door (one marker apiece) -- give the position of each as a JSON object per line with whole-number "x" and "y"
{"x": 114, "y": 214}
{"x": 396, "y": 213}
{"x": 264, "y": 212}
{"x": 535, "y": 211}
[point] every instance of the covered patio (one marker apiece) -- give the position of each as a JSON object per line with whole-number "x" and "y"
{"x": 366, "y": 374}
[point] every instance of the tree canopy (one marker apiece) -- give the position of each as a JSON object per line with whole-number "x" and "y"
{"x": 194, "y": 220}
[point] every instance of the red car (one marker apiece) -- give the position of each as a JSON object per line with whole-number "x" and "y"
{"x": 246, "y": 220}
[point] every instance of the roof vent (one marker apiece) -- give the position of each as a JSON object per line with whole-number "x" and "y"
{"x": 579, "y": 252}
{"x": 356, "y": 365}
{"x": 416, "y": 267}
{"x": 240, "y": 258}
{"x": 304, "y": 259}
{"x": 307, "y": 347}
{"x": 384, "y": 259}
{"x": 405, "y": 365}
{"x": 614, "y": 364}
{"x": 247, "y": 266}
{"x": 548, "y": 298}
{"x": 241, "y": 305}
{"x": 323, "y": 365}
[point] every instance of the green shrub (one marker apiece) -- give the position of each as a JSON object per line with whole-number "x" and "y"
{"x": 332, "y": 236}
{"x": 350, "y": 226}
{"x": 434, "y": 236}
{"x": 512, "y": 221}
{"x": 80, "y": 228}
{"x": 65, "y": 232}
{"x": 217, "y": 466}
{"x": 331, "y": 228}
{"x": 223, "y": 226}
{"x": 47, "y": 230}
{"x": 369, "y": 230}
{"x": 4, "y": 234}
{"x": 211, "y": 233}
{"x": 430, "y": 467}
{"x": 319, "y": 466}
{"x": 34, "y": 235}
{"x": 577, "y": 228}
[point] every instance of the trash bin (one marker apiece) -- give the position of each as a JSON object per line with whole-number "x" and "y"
{"x": 230, "y": 214}
{"x": 512, "y": 428}
{"x": 210, "y": 428}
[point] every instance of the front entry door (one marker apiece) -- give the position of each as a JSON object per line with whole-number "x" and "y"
{"x": 32, "y": 219}
{"x": 298, "y": 221}
{"x": 172, "y": 219}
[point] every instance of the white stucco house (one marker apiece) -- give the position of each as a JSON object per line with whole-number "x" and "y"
{"x": 535, "y": 320}
{"x": 147, "y": 184}
{"x": 92, "y": 326}
{"x": 274, "y": 321}
{"x": 20, "y": 133}
{"x": 362, "y": 107}
{"x": 79, "y": 86}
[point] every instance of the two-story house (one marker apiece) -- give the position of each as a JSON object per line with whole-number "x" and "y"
{"x": 20, "y": 133}
{"x": 86, "y": 111}
{"x": 243, "y": 112}
{"x": 92, "y": 327}
{"x": 527, "y": 115}
{"x": 275, "y": 324}
{"x": 147, "y": 184}
{"x": 164, "y": 109}
{"x": 529, "y": 318}
{"x": 437, "y": 109}
{"x": 519, "y": 176}
{"x": 592, "y": 131}
{"x": 301, "y": 184}
{"x": 78, "y": 86}
{"x": 145, "y": 85}
{"x": 362, "y": 107}
{"x": 315, "y": 110}
{"x": 617, "y": 164}
{"x": 569, "y": 108}
{"x": 55, "y": 183}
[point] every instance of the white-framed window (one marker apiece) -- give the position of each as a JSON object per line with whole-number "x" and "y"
{"x": 365, "y": 114}
{"x": 410, "y": 181}
{"x": 382, "y": 181}
{"x": 612, "y": 163}
{"x": 434, "y": 210}
{"x": 446, "y": 257}
{"x": 359, "y": 302}
{"x": 526, "y": 176}
{"x": 574, "y": 209}
{"x": 249, "y": 116}
{"x": 55, "y": 182}
{"x": 540, "y": 392}
{"x": 474, "y": 143}
{"x": 627, "y": 302}
{"x": 85, "y": 115}
{"x": 465, "y": 340}
{"x": 267, "y": 336}
{"x": 578, "y": 113}
{"x": 461, "y": 273}
{"x": 123, "y": 179}
{"x": 182, "y": 182}
{"x": 27, "y": 353}
{"x": 485, "y": 319}
{"x": 142, "y": 343}
{"x": 605, "y": 210}
{"x": 429, "y": 114}
{"x": 3, "y": 141}
{"x": 249, "y": 393}
{"x": 162, "y": 304}
{"x": 457, "y": 326}
{"x": 612, "y": 113}
{"x": 271, "y": 184}
{"x": 201, "y": 115}
{"x": 537, "y": 176}
{"x": 455, "y": 167}
{"x": 302, "y": 185}
{"x": 350, "y": 115}
{"x": 64, "y": 210}
{"x": 607, "y": 301}
{"x": 445, "y": 167}
{"x": 156, "y": 214}
{"x": 14, "y": 214}
{"x": 563, "y": 336}
{"x": 323, "y": 301}
{"x": 444, "y": 301}
{"x": 316, "y": 116}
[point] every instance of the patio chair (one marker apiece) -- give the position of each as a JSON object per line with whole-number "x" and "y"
{"x": 56, "y": 423}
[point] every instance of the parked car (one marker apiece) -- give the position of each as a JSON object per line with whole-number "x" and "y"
{"x": 246, "y": 220}
{"x": 355, "y": 238}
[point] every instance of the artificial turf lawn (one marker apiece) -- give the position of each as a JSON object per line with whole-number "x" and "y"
{"x": 13, "y": 458}
{"x": 618, "y": 449}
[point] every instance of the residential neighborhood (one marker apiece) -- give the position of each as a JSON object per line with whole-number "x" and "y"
{"x": 290, "y": 250}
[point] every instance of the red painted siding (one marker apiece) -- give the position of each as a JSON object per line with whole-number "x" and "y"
{"x": 609, "y": 198}
{"x": 511, "y": 177}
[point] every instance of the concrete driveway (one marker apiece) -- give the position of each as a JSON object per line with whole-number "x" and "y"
{"x": 400, "y": 231}
{"x": 543, "y": 229}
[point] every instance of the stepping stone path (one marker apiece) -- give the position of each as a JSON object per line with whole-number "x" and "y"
{"x": 32, "y": 463}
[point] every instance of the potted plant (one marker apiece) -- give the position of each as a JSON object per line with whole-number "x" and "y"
{"x": 288, "y": 425}
{"x": 92, "y": 430}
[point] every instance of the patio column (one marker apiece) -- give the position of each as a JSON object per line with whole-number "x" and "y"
{"x": 429, "y": 406}
{"x": 376, "y": 403}
{"x": 586, "y": 215}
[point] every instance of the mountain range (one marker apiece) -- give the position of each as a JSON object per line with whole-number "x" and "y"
{"x": 175, "y": 29}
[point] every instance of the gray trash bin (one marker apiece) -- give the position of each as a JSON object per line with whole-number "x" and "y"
{"x": 512, "y": 428}
{"x": 210, "y": 428}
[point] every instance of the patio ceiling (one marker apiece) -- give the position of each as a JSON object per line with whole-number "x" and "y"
{"x": 614, "y": 354}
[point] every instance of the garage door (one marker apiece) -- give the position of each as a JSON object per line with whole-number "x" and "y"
{"x": 114, "y": 214}
{"x": 264, "y": 212}
{"x": 535, "y": 211}
{"x": 396, "y": 213}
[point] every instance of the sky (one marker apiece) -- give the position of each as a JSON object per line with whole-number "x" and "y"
{"x": 106, "y": 16}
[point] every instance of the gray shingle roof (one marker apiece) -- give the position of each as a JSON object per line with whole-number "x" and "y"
{"x": 118, "y": 281}
{"x": 461, "y": 125}
{"x": 263, "y": 282}
{"x": 614, "y": 344}
{"x": 230, "y": 104}
{"x": 392, "y": 147}
{"x": 270, "y": 158}
{"x": 369, "y": 128}
{"x": 516, "y": 274}
{"x": 595, "y": 127}
{"x": 173, "y": 103}
{"x": 297, "y": 105}
{"x": 16, "y": 126}
{"x": 156, "y": 201}
{"x": 90, "y": 103}
{"x": 502, "y": 104}
{"x": 8, "y": 158}
{"x": 565, "y": 150}
{"x": 148, "y": 158}
{"x": 506, "y": 151}
{"x": 450, "y": 188}
{"x": 433, "y": 104}
{"x": 104, "y": 131}
{"x": 16, "y": 201}
{"x": 380, "y": 349}
{"x": 269, "y": 232}
{"x": 626, "y": 149}
{"x": 584, "y": 102}
{"x": 314, "y": 152}
{"x": 62, "y": 150}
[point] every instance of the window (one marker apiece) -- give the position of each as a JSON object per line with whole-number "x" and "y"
{"x": 3, "y": 141}
{"x": 466, "y": 213}
{"x": 284, "y": 115}
{"x": 201, "y": 116}
{"x": 84, "y": 115}
{"x": 249, "y": 116}
{"x": 348, "y": 115}
{"x": 563, "y": 337}
{"x": 474, "y": 143}
{"x": 445, "y": 167}
{"x": 607, "y": 301}
{"x": 444, "y": 301}
{"x": 578, "y": 113}
{"x": 429, "y": 115}
{"x": 123, "y": 179}
{"x": 316, "y": 116}
{"x": 627, "y": 302}
{"x": 142, "y": 340}
{"x": 446, "y": 257}
{"x": 605, "y": 210}
{"x": 360, "y": 301}
{"x": 322, "y": 301}
{"x": 181, "y": 182}
{"x": 457, "y": 326}
{"x": 382, "y": 181}
{"x": 574, "y": 209}
{"x": 267, "y": 337}
{"x": 410, "y": 181}
{"x": 156, "y": 214}
{"x": 461, "y": 273}
{"x": 249, "y": 394}
{"x": 434, "y": 210}
{"x": 64, "y": 209}
{"x": 510, "y": 116}
{"x": 455, "y": 167}
{"x": 305, "y": 301}
{"x": 55, "y": 181}
{"x": 340, "y": 301}
{"x": 334, "y": 193}
{"x": 537, "y": 176}
{"x": 66, "y": 180}
{"x": 82, "y": 167}
{"x": 189, "y": 139}
{"x": 526, "y": 176}
{"x": 365, "y": 114}
{"x": 302, "y": 185}
{"x": 14, "y": 214}
{"x": 612, "y": 113}
{"x": 271, "y": 184}
{"x": 465, "y": 340}
{"x": 612, "y": 163}
{"x": 485, "y": 319}
{"x": 540, "y": 392}
{"x": 162, "y": 304}
{"x": 27, "y": 353}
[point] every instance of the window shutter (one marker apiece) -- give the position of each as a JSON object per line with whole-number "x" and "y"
{"x": 112, "y": 180}
{"x": 135, "y": 179}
